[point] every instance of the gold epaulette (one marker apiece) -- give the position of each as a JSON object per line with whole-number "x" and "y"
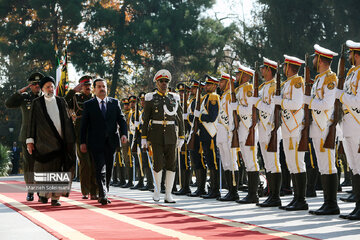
{"x": 350, "y": 70}
{"x": 214, "y": 96}
{"x": 298, "y": 82}
{"x": 272, "y": 89}
{"x": 248, "y": 90}
{"x": 330, "y": 78}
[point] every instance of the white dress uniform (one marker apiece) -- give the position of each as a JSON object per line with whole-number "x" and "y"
{"x": 351, "y": 120}
{"x": 266, "y": 110}
{"x": 224, "y": 126}
{"x": 292, "y": 115}
{"x": 245, "y": 112}
{"x": 322, "y": 106}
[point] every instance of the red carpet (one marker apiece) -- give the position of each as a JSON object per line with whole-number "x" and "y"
{"x": 127, "y": 219}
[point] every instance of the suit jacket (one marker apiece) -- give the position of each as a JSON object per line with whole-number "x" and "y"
{"x": 96, "y": 130}
{"x": 48, "y": 143}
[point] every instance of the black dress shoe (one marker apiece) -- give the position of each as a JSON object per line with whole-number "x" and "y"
{"x": 84, "y": 197}
{"x": 55, "y": 203}
{"x": 30, "y": 197}
{"x": 104, "y": 201}
{"x": 43, "y": 199}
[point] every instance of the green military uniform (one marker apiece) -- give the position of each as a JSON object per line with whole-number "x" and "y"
{"x": 75, "y": 102}
{"x": 126, "y": 151}
{"x": 165, "y": 113}
{"x": 23, "y": 101}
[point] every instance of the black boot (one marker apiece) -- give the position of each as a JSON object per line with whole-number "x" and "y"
{"x": 122, "y": 180}
{"x": 149, "y": 181}
{"x": 330, "y": 206}
{"x": 140, "y": 183}
{"x": 347, "y": 174}
{"x": 355, "y": 214}
{"x": 253, "y": 183}
{"x": 185, "y": 185}
{"x": 200, "y": 180}
{"x": 274, "y": 200}
{"x": 300, "y": 203}
{"x": 295, "y": 190}
{"x": 269, "y": 187}
{"x": 312, "y": 175}
{"x": 130, "y": 179}
{"x": 232, "y": 195}
{"x": 215, "y": 185}
{"x": 351, "y": 197}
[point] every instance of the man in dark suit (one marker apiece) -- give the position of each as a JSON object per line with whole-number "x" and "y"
{"x": 102, "y": 117}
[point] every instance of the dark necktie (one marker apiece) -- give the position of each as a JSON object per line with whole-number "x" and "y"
{"x": 103, "y": 109}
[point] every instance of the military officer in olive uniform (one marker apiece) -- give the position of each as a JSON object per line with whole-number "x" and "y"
{"x": 163, "y": 110}
{"x": 75, "y": 99}
{"x": 208, "y": 116}
{"x": 23, "y": 99}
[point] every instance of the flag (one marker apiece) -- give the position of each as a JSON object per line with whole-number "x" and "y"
{"x": 64, "y": 78}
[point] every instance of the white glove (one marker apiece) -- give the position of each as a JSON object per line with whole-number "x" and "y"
{"x": 233, "y": 106}
{"x": 144, "y": 143}
{"x": 338, "y": 93}
{"x": 197, "y": 113}
{"x": 277, "y": 100}
{"x": 137, "y": 124}
{"x": 185, "y": 116}
{"x": 252, "y": 100}
{"x": 180, "y": 142}
{"x": 307, "y": 99}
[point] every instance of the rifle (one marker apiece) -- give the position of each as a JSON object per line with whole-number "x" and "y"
{"x": 330, "y": 138}
{"x": 235, "y": 136}
{"x": 137, "y": 131}
{"x": 195, "y": 126}
{"x": 250, "y": 140}
{"x": 185, "y": 106}
{"x": 304, "y": 140}
{"x": 272, "y": 146}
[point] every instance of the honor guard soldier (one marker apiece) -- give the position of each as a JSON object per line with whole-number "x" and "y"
{"x": 243, "y": 93}
{"x": 126, "y": 151}
{"x": 23, "y": 99}
{"x": 75, "y": 99}
{"x": 321, "y": 103}
{"x": 208, "y": 115}
{"x": 185, "y": 171}
{"x": 292, "y": 114}
{"x": 138, "y": 171}
{"x": 266, "y": 110}
{"x": 350, "y": 98}
{"x": 197, "y": 156}
{"x": 163, "y": 110}
{"x": 144, "y": 154}
{"x": 225, "y": 125}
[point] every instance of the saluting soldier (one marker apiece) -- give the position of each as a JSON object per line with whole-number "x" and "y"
{"x": 197, "y": 156}
{"x": 321, "y": 103}
{"x": 75, "y": 99}
{"x": 292, "y": 114}
{"x": 133, "y": 125}
{"x": 350, "y": 98}
{"x": 208, "y": 114}
{"x": 163, "y": 110}
{"x": 125, "y": 147}
{"x": 185, "y": 171}
{"x": 23, "y": 99}
{"x": 225, "y": 126}
{"x": 243, "y": 93}
{"x": 266, "y": 110}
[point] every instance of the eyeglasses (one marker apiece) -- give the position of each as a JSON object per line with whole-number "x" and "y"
{"x": 164, "y": 81}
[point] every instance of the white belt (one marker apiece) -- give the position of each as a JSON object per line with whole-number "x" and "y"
{"x": 163, "y": 122}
